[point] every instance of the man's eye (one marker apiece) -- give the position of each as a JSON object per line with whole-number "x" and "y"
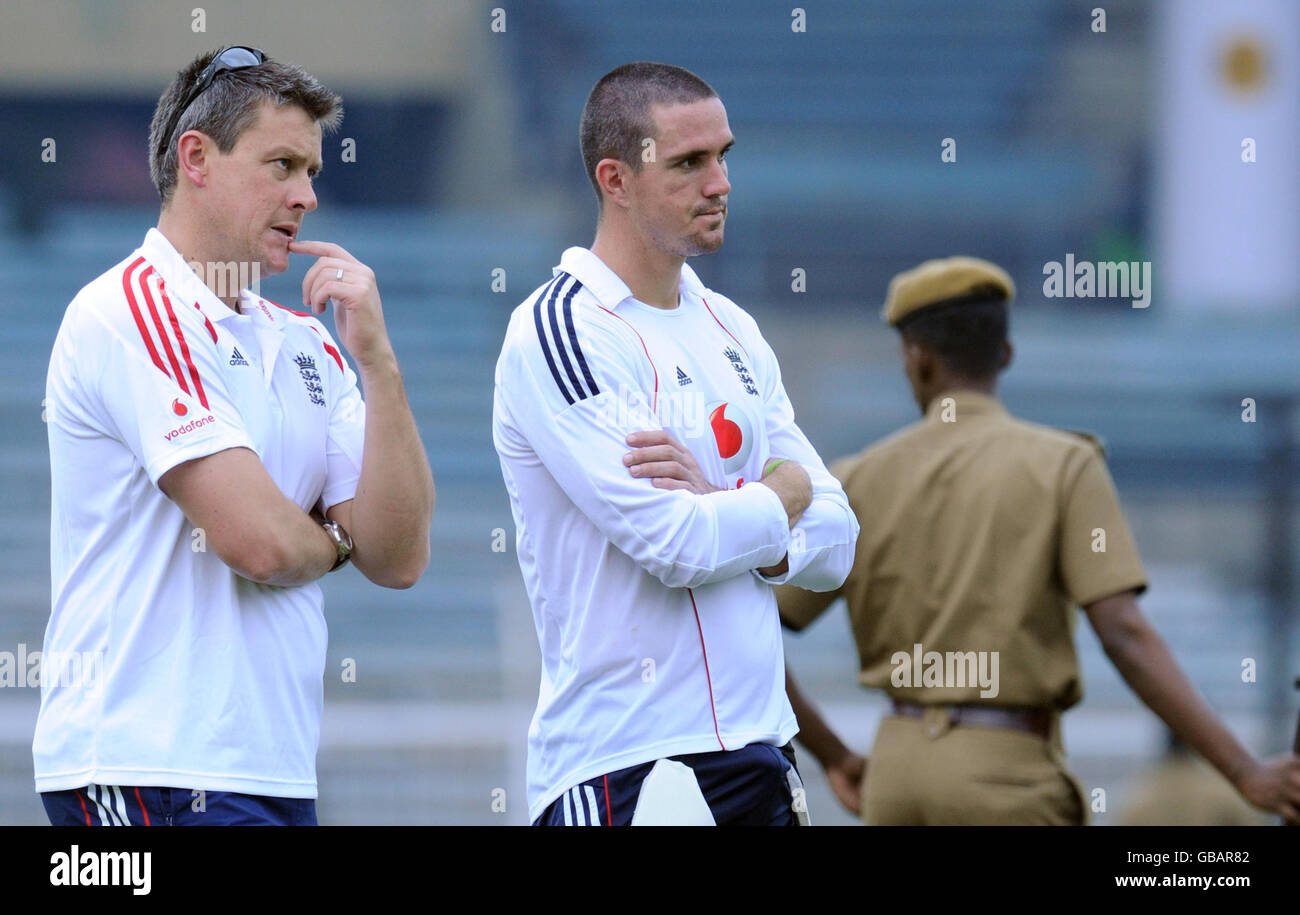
{"x": 286, "y": 162}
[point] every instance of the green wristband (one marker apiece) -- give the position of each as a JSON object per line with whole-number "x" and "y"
{"x": 773, "y": 464}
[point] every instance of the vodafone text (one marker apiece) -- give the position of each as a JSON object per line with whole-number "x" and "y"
{"x": 190, "y": 426}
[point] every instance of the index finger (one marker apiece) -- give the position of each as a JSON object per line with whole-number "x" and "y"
{"x": 319, "y": 249}
{"x": 651, "y": 437}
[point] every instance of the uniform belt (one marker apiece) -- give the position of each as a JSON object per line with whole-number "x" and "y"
{"x": 1032, "y": 720}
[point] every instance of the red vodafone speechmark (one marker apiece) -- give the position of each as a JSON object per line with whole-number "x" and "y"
{"x": 727, "y": 434}
{"x": 179, "y": 408}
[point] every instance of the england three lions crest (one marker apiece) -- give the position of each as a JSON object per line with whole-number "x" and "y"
{"x": 310, "y": 378}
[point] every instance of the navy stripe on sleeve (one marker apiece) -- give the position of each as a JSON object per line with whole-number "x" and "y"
{"x": 553, "y": 288}
{"x": 553, "y": 314}
{"x": 573, "y": 338}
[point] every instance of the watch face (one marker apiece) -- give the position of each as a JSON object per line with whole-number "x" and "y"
{"x": 340, "y": 536}
{"x": 342, "y": 542}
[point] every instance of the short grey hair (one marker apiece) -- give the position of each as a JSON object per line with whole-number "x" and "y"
{"x": 229, "y": 106}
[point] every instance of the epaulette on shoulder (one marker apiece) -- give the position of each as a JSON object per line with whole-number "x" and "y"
{"x": 1096, "y": 440}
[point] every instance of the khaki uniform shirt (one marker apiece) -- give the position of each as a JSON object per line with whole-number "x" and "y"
{"x": 980, "y": 533}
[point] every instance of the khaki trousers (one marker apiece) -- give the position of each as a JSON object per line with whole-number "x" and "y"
{"x": 924, "y": 772}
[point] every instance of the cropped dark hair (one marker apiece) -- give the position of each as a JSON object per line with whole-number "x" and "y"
{"x": 227, "y": 108}
{"x": 966, "y": 333}
{"x": 617, "y": 117}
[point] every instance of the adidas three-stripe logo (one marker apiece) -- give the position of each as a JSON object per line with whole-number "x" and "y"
{"x": 574, "y": 814}
{"x": 560, "y": 346}
{"x": 238, "y": 358}
{"x": 682, "y": 377}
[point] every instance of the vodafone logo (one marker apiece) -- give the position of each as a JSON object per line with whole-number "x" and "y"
{"x": 733, "y": 433}
{"x": 179, "y": 408}
{"x": 189, "y": 426}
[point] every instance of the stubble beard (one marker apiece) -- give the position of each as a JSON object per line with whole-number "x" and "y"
{"x": 697, "y": 243}
{"x": 261, "y": 256}
{"x": 710, "y": 241}
{"x": 703, "y": 245}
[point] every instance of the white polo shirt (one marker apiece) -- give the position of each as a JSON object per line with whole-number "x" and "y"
{"x": 658, "y": 635}
{"x": 164, "y": 667}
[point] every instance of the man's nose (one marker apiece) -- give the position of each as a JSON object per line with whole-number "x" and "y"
{"x": 303, "y": 196}
{"x": 717, "y": 185}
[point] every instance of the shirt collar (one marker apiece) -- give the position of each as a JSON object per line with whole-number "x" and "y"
{"x": 261, "y": 310}
{"x": 606, "y": 285}
{"x": 184, "y": 284}
{"x": 967, "y": 403}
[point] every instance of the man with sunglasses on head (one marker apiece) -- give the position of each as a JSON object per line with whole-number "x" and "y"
{"x": 211, "y": 457}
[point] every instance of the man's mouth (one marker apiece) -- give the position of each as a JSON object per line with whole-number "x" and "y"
{"x": 289, "y": 230}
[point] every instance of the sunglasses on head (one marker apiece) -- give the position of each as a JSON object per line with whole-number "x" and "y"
{"x": 235, "y": 58}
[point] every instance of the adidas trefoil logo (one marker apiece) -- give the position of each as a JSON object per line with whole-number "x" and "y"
{"x": 238, "y": 358}
{"x": 682, "y": 377}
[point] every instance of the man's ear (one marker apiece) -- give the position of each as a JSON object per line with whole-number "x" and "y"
{"x": 927, "y": 365}
{"x": 612, "y": 175}
{"x": 192, "y": 151}
{"x": 918, "y": 361}
{"x": 908, "y": 351}
{"x": 1007, "y": 352}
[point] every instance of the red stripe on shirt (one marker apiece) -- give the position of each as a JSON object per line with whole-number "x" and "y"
{"x": 141, "y": 803}
{"x": 723, "y": 326}
{"x": 185, "y": 349}
{"x": 206, "y": 323}
{"x": 333, "y": 351}
{"x": 654, "y": 404}
{"x": 301, "y": 314}
{"x": 139, "y": 318}
{"x": 81, "y": 800}
{"x": 707, "y": 677}
{"x": 329, "y": 349}
{"x": 609, "y": 811}
{"x": 142, "y": 279}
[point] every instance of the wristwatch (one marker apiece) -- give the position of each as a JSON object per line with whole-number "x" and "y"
{"x": 342, "y": 542}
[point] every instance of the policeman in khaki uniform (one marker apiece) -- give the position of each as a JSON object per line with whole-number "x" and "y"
{"x": 980, "y": 534}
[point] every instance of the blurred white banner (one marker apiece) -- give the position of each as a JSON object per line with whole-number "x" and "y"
{"x": 1227, "y": 183}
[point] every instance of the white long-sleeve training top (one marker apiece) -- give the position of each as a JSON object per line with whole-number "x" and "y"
{"x": 658, "y": 635}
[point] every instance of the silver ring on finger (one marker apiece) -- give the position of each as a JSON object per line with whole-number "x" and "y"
{"x": 338, "y": 274}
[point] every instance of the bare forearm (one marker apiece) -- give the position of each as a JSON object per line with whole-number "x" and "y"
{"x": 274, "y": 543}
{"x": 393, "y": 505}
{"x": 814, "y": 733}
{"x": 305, "y": 552}
{"x": 790, "y": 482}
{"x": 1146, "y": 664}
{"x": 247, "y": 521}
